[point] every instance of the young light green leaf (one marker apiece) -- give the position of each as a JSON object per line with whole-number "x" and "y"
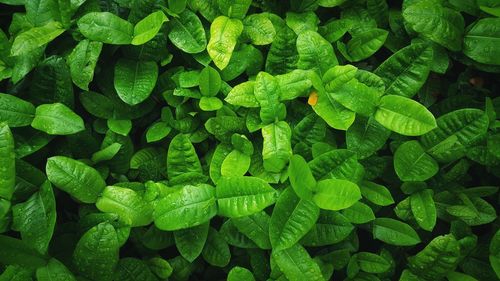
{"x": 297, "y": 265}
{"x": 15, "y": 112}
{"x": 359, "y": 213}
{"x": 74, "y": 177}
{"x": 412, "y": 163}
{"x": 363, "y": 44}
{"x": 234, "y": 8}
{"x": 134, "y": 80}
{"x": 376, "y": 193}
{"x": 148, "y": 27}
{"x": 36, "y": 37}
{"x": 276, "y": 148}
{"x": 243, "y": 196}
{"x": 243, "y": 95}
{"x": 404, "y": 116}
{"x": 121, "y": 127}
{"x": 106, "y": 153}
{"x": 424, "y": 209}
{"x": 292, "y": 218}
{"x": 107, "y": 28}
{"x": 236, "y": 163}
{"x": 224, "y": 34}
{"x": 57, "y": 119}
{"x": 336, "y": 194}
{"x": 184, "y": 208}
{"x": 240, "y": 274}
{"x": 259, "y": 29}
{"x": 131, "y": 208}
{"x": 301, "y": 178}
{"x": 394, "y": 232}
{"x": 210, "y": 82}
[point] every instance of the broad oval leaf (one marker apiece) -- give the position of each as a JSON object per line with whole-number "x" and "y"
{"x": 134, "y": 80}
{"x": 16, "y": 112}
{"x": 243, "y": 95}
{"x": 16, "y": 252}
{"x": 330, "y": 228}
{"x": 216, "y": 251}
{"x": 235, "y": 164}
{"x": 243, "y": 196}
{"x": 74, "y": 177}
{"x": 297, "y": 265}
{"x": 404, "y": 116}
{"x": 455, "y": 133}
{"x": 82, "y": 62}
{"x": 442, "y": 25}
{"x": 292, "y": 218}
{"x": 481, "y": 40}
{"x": 337, "y": 163}
{"x": 54, "y": 271}
{"x": 187, "y": 33}
{"x": 256, "y": 227}
{"x": 301, "y": 178}
{"x": 366, "y": 136}
{"x": 187, "y": 207}
{"x": 210, "y": 82}
{"x": 315, "y": 53}
{"x": 259, "y": 29}
{"x": 131, "y": 207}
{"x": 394, "y": 232}
{"x": 372, "y": 263}
{"x": 238, "y": 273}
{"x": 106, "y": 27}
{"x": 376, "y": 193}
{"x": 276, "y": 148}
{"x": 412, "y": 163}
{"x": 181, "y": 157}
{"x": 190, "y": 241}
{"x": 364, "y": 44}
{"x": 336, "y": 194}
{"x": 148, "y": 27}
{"x": 91, "y": 258}
{"x": 406, "y": 71}
{"x": 424, "y": 209}
{"x": 36, "y": 37}
{"x": 224, "y": 34}
{"x": 57, "y": 119}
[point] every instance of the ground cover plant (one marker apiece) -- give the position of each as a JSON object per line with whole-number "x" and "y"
{"x": 249, "y": 140}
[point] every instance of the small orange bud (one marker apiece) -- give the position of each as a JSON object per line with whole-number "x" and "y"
{"x": 313, "y": 98}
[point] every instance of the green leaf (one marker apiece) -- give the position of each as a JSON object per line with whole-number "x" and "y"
{"x": 438, "y": 258}
{"x": 134, "y": 80}
{"x": 376, "y": 193}
{"x": 301, "y": 178}
{"x": 240, "y": 274}
{"x": 187, "y": 33}
{"x": 35, "y": 37}
{"x": 224, "y": 34}
{"x": 366, "y": 136}
{"x": 404, "y": 116}
{"x": 91, "y": 258}
{"x": 210, "y": 82}
{"x": 267, "y": 93}
{"x": 15, "y": 111}
{"x": 494, "y": 256}
{"x": 106, "y": 153}
{"x": 458, "y": 276}
{"x": 480, "y": 41}
{"x": 277, "y": 147}
{"x": 455, "y": 133}
{"x": 216, "y": 251}
{"x": 259, "y": 29}
{"x": 243, "y": 95}
{"x": 121, "y": 127}
{"x": 372, "y": 263}
{"x": 54, "y": 271}
{"x": 190, "y": 241}
{"x": 82, "y": 62}
{"x": 74, "y": 177}
{"x": 235, "y": 164}
{"x": 234, "y": 8}
{"x": 337, "y": 163}
{"x": 315, "y": 53}
{"x": 292, "y": 218}
{"x": 36, "y": 218}
{"x": 181, "y": 157}
{"x": 107, "y": 28}
{"x": 16, "y": 252}
{"x": 330, "y": 228}
{"x": 148, "y": 27}
{"x": 336, "y": 194}
{"x": 359, "y": 213}
{"x": 412, "y": 163}
{"x": 406, "y": 71}
{"x": 184, "y": 208}
{"x": 7, "y": 162}
{"x": 243, "y": 196}
{"x": 296, "y": 264}
{"x": 129, "y": 269}
{"x": 57, "y": 119}
{"x": 424, "y": 209}
{"x": 440, "y": 24}
{"x": 363, "y": 44}
{"x": 256, "y": 228}
{"x": 158, "y": 131}
{"x": 130, "y": 207}
{"x": 394, "y": 232}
